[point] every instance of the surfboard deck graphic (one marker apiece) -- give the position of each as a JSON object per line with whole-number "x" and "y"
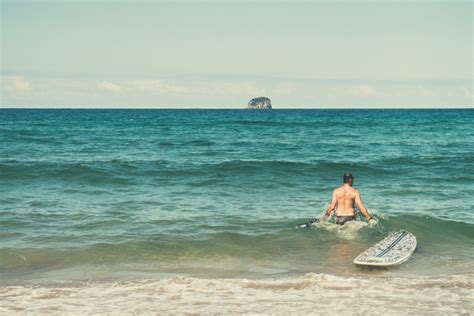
{"x": 393, "y": 250}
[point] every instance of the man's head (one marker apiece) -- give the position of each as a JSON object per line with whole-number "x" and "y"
{"x": 348, "y": 178}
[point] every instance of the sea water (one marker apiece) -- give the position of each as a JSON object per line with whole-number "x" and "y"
{"x": 195, "y": 210}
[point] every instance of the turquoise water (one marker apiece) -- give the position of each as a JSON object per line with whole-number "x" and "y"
{"x": 114, "y": 193}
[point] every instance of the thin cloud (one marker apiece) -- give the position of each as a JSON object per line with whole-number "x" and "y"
{"x": 16, "y": 83}
{"x": 229, "y": 88}
{"x": 424, "y": 92}
{"x": 196, "y": 88}
{"x": 159, "y": 86}
{"x": 284, "y": 89}
{"x": 466, "y": 92}
{"x": 363, "y": 91}
{"x": 109, "y": 86}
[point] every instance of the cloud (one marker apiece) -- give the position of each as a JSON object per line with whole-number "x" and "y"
{"x": 196, "y": 88}
{"x": 159, "y": 86}
{"x": 225, "y": 88}
{"x": 16, "y": 83}
{"x": 109, "y": 86}
{"x": 284, "y": 89}
{"x": 466, "y": 92}
{"x": 362, "y": 91}
{"x": 208, "y": 92}
{"x": 424, "y": 92}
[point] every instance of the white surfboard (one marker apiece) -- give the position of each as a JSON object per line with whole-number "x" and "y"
{"x": 393, "y": 250}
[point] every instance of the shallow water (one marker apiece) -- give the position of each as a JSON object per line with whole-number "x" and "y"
{"x": 114, "y": 195}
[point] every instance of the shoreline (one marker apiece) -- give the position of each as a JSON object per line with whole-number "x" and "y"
{"x": 310, "y": 293}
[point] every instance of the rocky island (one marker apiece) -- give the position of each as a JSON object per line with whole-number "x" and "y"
{"x": 261, "y": 103}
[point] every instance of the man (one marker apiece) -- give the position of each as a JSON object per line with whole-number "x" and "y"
{"x": 344, "y": 198}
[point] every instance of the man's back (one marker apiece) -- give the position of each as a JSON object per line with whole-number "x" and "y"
{"x": 345, "y": 196}
{"x": 343, "y": 199}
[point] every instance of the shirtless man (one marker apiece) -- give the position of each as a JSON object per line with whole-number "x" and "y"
{"x": 343, "y": 198}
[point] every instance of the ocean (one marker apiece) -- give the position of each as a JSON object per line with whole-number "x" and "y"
{"x": 194, "y": 211}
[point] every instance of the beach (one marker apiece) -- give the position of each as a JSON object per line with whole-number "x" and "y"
{"x": 194, "y": 211}
{"x": 308, "y": 294}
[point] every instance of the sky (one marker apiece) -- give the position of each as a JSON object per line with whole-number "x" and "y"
{"x": 220, "y": 54}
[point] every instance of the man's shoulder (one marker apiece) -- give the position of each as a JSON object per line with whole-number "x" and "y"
{"x": 355, "y": 191}
{"x": 339, "y": 191}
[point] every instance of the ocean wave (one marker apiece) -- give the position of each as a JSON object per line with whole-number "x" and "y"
{"x": 197, "y": 247}
{"x": 284, "y": 169}
{"x": 97, "y": 172}
{"x": 122, "y": 171}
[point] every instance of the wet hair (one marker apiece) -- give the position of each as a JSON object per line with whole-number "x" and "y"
{"x": 347, "y": 176}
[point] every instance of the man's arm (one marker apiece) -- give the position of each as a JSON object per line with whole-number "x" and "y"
{"x": 333, "y": 204}
{"x": 361, "y": 206}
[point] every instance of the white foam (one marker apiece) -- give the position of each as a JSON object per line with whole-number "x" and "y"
{"x": 349, "y": 230}
{"x": 311, "y": 293}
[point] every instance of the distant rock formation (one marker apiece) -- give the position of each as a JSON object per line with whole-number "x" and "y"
{"x": 261, "y": 103}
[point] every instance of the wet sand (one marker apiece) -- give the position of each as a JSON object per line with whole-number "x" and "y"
{"x": 309, "y": 294}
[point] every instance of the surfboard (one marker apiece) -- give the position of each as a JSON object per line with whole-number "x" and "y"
{"x": 393, "y": 250}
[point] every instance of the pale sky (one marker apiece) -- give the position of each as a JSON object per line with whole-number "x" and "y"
{"x": 220, "y": 54}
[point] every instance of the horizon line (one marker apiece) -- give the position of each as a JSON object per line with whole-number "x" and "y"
{"x": 257, "y": 110}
